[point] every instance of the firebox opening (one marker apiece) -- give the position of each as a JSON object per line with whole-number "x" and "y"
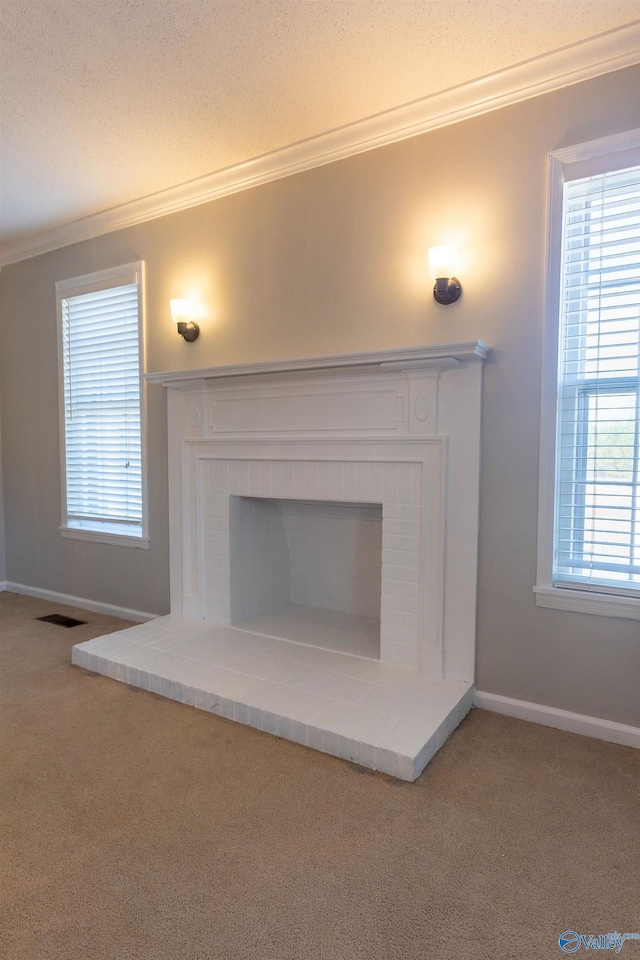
{"x": 308, "y": 571}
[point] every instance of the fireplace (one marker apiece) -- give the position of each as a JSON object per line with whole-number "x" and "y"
{"x": 323, "y": 520}
{"x": 308, "y": 571}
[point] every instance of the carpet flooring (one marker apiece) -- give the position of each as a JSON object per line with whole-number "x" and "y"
{"x": 135, "y": 827}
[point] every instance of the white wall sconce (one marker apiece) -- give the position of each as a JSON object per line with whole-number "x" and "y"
{"x": 182, "y": 314}
{"x": 442, "y": 262}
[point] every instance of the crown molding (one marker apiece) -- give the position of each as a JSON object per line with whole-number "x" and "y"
{"x": 580, "y": 61}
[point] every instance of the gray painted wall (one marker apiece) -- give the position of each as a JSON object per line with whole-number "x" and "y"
{"x": 330, "y": 261}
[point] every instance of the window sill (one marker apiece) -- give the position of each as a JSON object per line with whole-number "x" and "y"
{"x": 100, "y": 536}
{"x": 582, "y": 601}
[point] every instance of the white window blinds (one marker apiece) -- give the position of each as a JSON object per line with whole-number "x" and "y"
{"x": 102, "y": 414}
{"x": 597, "y": 524}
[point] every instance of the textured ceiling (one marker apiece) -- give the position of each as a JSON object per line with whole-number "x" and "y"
{"x": 105, "y": 101}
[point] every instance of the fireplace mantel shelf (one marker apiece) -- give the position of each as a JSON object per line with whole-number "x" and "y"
{"x": 438, "y": 355}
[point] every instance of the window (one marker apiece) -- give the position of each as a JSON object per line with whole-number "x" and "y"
{"x": 589, "y": 543}
{"x": 102, "y": 411}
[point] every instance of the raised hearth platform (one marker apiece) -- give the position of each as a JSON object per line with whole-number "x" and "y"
{"x": 383, "y": 716}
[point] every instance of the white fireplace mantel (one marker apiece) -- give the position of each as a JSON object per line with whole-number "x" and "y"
{"x": 397, "y": 432}
{"x": 439, "y": 355}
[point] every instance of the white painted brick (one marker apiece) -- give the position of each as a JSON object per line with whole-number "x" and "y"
{"x": 347, "y": 749}
{"x": 315, "y": 737}
{"x": 223, "y": 477}
{"x": 269, "y": 721}
{"x": 401, "y": 558}
{"x": 337, "y": 481}
{"x": 219, "y": 577}
{"x": 396, "y": 588}
{"x": 283, "y": 727}
{"x": 410, "y": 483}
{"x": 331, "y": 743}
{"x": 218, "y": 606}
{"x": 234, "y": 476}
{"x": 216, "y": 523}
{"x": 402, "y": 528}
{"x": 244, "y": 478}
{"x": 400, "y": 619}
{"x": 203, "y": 699}
{"x": 211, "y": 472}
{"x": 298, "y": 732}
{"x": 300, "y": 479}
{"x": 389, "y": 631}
{"x": 394, "y": 542}
{"x": 363, "y": 482}
{"x": 394, "y": 602}
{"x": 402, "y": 511}
{"x": 265, "y": 478}
{"x": 427, "y": 711}
{"x": 311, "y": 708}
{"x": 216, "y": 561}
{"x": 240, "y": 712}
{"x": 405, "y": 768}
{"x": 386, "y": 761}
{"x": 394, "y": 652}
{"x": 216, "y": 549}
{"x": 405, "y": 574}
{"x": 222, "y": 707}
{"x": 404, "y": 739}
{"x": 288, "y": 479}
{"x": 100, "y": 665}
{"x": 391, "y": 483}
{"x": 215, "y": 506}
{"x": 376, "y": 482}
{"x": 324, "y": 481}
{"x": 255, "y": 717}
{"x": 254, "y": 478}
{"x": 313, "y": 480}
{"x": 379, "y": 727}
{"x": 350, "y": 481}
{"x": 87, "y": 660}
{"x": 365, "y": 754}
{"x": 277, "y": 484}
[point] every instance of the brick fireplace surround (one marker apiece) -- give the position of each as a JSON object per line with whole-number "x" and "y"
{"x": 324, "y": 522}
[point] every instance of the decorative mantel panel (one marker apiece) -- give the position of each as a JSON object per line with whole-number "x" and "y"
{"x": 398, "y": 432}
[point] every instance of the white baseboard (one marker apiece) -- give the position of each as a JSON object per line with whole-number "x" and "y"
{"x": 3, "y": 585}
{"x": 561, "y": 719}
{"x": 94, "y": 606}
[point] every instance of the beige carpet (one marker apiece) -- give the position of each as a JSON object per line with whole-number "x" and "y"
{"x": 134, "y": 827}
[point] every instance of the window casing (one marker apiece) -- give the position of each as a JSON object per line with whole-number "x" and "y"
{"x": 102, "y": 410}
{"x": 589, "y": 516}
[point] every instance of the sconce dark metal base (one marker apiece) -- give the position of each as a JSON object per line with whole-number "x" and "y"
{"x": 446, "y": 290}
{"x": 190, "y": 331}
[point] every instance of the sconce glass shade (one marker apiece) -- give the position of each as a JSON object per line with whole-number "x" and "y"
{"x": 442, "y": 264}
{"x": 442, "y": 261}
{"x": 182, "y": 313}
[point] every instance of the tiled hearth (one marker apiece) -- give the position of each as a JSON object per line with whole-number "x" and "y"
{"x": 323, "y": 552}
{"x": 379, "y": 715}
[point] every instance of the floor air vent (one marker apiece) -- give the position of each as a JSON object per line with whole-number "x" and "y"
{"x": 61, "y": 620}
